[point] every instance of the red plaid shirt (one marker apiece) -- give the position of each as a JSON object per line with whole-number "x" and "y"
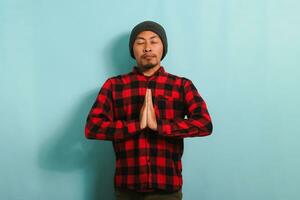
{"x": 148, "y": 160}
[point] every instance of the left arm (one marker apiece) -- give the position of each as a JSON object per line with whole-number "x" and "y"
{"x": 198, "y": 122}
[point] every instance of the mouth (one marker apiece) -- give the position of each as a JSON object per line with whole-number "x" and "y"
{"x": 148, "y": 56}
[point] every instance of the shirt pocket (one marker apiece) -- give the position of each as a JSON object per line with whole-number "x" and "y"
{"x": 169, "y": 107}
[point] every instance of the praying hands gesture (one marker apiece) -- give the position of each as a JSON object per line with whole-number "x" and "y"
{"x": 147, "y": 113}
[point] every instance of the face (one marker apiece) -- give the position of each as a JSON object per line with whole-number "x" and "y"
{"x": 148, "y": 49}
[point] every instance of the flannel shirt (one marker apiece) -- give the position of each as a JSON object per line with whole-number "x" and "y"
{"x": 148, "y": 160}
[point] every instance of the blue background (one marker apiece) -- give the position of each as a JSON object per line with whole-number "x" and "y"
{"x": 243, "y": 56}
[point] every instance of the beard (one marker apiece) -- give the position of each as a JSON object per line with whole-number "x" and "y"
{"x": 148, "y": 66}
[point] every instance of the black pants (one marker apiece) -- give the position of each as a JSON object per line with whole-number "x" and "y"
{"x": 123, "y": 194}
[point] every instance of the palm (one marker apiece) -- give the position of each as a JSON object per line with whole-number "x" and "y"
{"x": 147, "y": 113}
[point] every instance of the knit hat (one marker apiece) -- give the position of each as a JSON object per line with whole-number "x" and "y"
{"x": 149, "y": 26}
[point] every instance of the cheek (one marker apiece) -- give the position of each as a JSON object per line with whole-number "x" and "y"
{"x": 137, "y": 52}
{"x": 159, "y": 49}
{"x": 159, "y": 52}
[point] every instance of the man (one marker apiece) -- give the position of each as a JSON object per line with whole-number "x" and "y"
{"x": 146, "y": 114}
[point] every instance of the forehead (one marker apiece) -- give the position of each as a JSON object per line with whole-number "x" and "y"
{"x": 146, "y": 35}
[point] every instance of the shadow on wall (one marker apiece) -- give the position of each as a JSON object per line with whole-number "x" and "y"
{"x": 121, "y": 61}
{"x": 68, "y": 149}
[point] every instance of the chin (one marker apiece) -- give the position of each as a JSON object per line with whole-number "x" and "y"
{"x": 148, "y": 66}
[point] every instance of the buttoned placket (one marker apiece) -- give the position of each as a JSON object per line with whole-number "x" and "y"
{"x": 147, "y": 142}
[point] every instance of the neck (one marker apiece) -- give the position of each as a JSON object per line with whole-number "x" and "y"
{"x": 149, "y": 72}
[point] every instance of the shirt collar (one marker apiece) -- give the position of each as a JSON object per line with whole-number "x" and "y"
{"x": 159, "y": 71}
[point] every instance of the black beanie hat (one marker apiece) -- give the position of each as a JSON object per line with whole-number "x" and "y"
{"x": 149, "y": 26}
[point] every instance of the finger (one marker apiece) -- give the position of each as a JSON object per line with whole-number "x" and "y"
{"x": 150, "y": 99}
{"x": 147, "y": 92}
{"x": 150, "y": 93}
{"x": 145, "y": 98}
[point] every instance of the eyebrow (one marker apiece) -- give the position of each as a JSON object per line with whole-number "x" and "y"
{"x": 139, "y": 37}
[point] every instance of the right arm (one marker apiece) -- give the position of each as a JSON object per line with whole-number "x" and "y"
{"x": 100, "y": 123}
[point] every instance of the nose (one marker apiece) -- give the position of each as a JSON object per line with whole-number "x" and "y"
{"x": 147, "y": 48}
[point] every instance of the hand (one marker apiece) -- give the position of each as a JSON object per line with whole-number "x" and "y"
{"x": 147, "y": 113}
{"x": 151, "y": 117}
{"x": 143, "y": 114}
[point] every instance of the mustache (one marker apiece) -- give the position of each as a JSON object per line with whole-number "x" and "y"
{"x": 148, "y": 55}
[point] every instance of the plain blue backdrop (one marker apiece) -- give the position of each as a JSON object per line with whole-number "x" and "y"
{"x": 243, "y": 57}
